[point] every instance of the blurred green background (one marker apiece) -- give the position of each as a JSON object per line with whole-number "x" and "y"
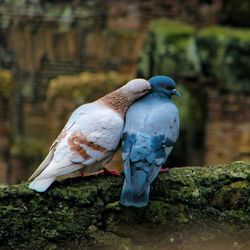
{"x": 56, "y": 55}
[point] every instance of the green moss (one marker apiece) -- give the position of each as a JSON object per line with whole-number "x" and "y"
{"x": 225, "y": 33}
{"x": 165, "y": 213}
{"x": 196, "y": 185}
{"x": 55, "y": 215}
{"x": 232, "y": 196}
{"x": 85, "y": 211}
{"x": 224, "y": 54}
{"x": 120, "y": 32}
{"x": 219, "y": 53}
{"x": 171, "y": 47}
{"x": 5, "y": 82}
{"x": 82, "y": 86}
{"x": 236, "y": 217}
{"x": 171, "y": 28}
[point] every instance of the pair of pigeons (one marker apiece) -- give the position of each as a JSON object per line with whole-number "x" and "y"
{"x": 93, "y": 132}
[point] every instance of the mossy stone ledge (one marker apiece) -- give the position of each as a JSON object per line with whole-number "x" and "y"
{"x": 83, "y": 213}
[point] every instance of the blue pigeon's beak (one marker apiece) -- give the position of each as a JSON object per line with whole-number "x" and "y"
{"x": 175, "y": 92}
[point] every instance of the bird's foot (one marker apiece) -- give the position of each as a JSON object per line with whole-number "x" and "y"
{"x": 164, "y": 170}
{"x": 113, "y": 172}
{"x": 83, "y": 174}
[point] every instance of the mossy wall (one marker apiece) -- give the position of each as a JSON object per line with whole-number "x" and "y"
{"x": 169, "y": 49}
{"x": 218, "y": 53}
{"x": 67, "y": 39}
{"x": 6, "y": 89}
{"x": 85, "y": 212}
{"x": 6, "y": 82}
{"x": 66, "y": 58}
{"x": 84, "y": 87}
{"x": 211, "y": 66}
{"x": 224, "y": 55}
{"x": 194, "y": 58}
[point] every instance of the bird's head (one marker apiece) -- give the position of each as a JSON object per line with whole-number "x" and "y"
{"x": 136, "y": 88}
{"x": 163, "y": 85}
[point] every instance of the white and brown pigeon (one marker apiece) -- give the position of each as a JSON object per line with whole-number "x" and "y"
{"x": 90, "y": 137}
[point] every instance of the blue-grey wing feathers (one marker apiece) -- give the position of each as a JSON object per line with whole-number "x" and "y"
{"x": 143, "y": 157}
{"x": 151, "y": 129}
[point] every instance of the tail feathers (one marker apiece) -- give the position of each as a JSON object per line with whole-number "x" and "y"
{"x": 41, "y": 185}
{"x": 43, "y": 165}
{"x": 131, "y": 197}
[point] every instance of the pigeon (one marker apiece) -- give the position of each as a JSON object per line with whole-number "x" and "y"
{"x": 150, "y": 132}
{"x": 90, "y": 137}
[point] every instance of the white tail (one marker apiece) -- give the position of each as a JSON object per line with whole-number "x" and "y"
{"x": 42, "y": 184}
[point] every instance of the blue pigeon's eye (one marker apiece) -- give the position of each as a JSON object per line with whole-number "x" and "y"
{"x": 167, "y": 87}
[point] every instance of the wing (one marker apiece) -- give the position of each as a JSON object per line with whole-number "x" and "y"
{"x": 146, "y": 153}
{"x": 80, "y": 111}
{"x": 143, "y": 157}
{"x": 92, "y": 139}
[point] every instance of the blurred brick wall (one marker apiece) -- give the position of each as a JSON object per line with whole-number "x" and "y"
{"x": 130, "y": 13}
{"x": 64, "y": 42}
{"x": 227, "y": 127}
{"x": 4, "y": 147}
{"x": 47, "y": 46}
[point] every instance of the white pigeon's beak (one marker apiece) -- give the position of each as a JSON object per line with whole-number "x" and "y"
{"x": 175, "y": 92}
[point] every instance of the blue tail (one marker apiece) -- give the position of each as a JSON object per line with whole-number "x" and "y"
{"x": 143, "y": 157}
{"x": 130, "y": 199}
{"x": 133, "y": 194}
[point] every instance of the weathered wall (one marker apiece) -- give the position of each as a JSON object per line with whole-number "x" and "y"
{"x": 211, "y": 66}
{"x": 41, "y": 41}
{"x": 53, "y": 40}
{"x": 128, "y": 13}
{"x": 228, "y": 128}
{"x": 226, "y": 64}
{"x": 6, "y": 85}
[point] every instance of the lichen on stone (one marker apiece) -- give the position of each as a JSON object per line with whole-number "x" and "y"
{"x": 81, "y": 86}
{"x": 6, "y": 82}
{"x": 220, "y": 53}
{"x": 85, "y": 212}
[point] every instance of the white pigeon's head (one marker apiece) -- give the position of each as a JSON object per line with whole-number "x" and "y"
{"x": 136, "y": 88}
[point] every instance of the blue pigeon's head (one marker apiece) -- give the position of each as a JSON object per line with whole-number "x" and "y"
{"x": 163, "y": 85}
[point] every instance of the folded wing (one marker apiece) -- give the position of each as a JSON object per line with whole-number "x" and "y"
{"x": 87, "y": 142}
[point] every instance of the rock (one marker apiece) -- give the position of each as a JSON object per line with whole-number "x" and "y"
{"x": 81, "y": 213}
{"x": 219, "y": 49}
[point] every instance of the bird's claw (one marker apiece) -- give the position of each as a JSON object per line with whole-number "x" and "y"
{"x": 164, "y": 170}
{"x": 111, "y": 172}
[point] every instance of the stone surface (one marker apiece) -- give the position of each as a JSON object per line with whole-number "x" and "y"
{"x": 6, "y": 86}
{"x": 85, "y": 212}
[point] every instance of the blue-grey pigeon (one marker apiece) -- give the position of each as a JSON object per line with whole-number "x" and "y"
{"x": 151, "y": 129}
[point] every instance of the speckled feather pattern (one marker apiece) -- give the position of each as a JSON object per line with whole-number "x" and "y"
{"x": 76, "y": 142}
{"x": 116, "y": 100}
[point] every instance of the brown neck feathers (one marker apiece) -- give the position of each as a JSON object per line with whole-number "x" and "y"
{"x": 116, "y": 100}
